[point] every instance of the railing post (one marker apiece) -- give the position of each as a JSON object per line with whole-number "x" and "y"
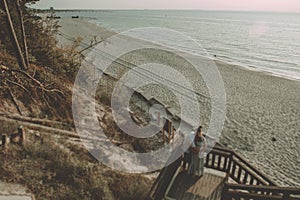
{"x": 169, "y": 131}
{"x": 3, "y": 139}
{"x": 173, "y": 133}
{"x": 229, "y": 166}
{"x": 163, "y": 135}
{"x": 21, "y": 133}
{"x": 285, "y": 196}
{"x": 207, "y": 159}
{"x": 225, "y": 192}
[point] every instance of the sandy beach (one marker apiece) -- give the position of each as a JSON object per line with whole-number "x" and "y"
{"x": 262, "y": 119}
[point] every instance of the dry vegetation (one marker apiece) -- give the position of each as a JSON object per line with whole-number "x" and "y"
{"x": 42, "y": 89}
{"x": 49, "y": 167}
{"x": 52, "y": 168}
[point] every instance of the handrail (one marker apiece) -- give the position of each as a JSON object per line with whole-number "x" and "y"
{"x": 265, "y": 188}
{"x": 218, "y": 160}
{"x": 266, "y": 178}
{"x": 252, "y": 184}
{"x": 224, "y": 160}
{"x": 233, "y": 164}
{"x": 255, "y": 192}
{"x": 161, "y": 184}
{"x": 239, "y": 160}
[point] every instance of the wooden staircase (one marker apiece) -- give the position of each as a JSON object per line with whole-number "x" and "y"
{"x": 242, "y": 181}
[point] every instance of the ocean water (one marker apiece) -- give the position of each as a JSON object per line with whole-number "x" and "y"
{"x": 263, "y": 41}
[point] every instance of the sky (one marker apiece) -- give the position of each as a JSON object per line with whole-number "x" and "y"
{"x": 240, "y": 5}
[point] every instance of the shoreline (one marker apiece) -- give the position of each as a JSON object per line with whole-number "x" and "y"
{"x": 260, "y": 107}
{"x": 259, "y": 70}
{"x": 237, "y": 64}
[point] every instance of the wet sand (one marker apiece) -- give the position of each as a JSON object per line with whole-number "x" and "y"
{"x": 263, "y": 111}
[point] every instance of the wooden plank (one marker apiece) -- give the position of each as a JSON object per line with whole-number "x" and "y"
{"x": 158, "y": 190}
{"x": 218, "y": 152}
{"x": 294, "y": 198}
{"x": 187, "y": 187}
{"x": 295, "y": 191}
{"x": 243, "y": 195}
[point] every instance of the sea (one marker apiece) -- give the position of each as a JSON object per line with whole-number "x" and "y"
{"x": 264, "y": 41}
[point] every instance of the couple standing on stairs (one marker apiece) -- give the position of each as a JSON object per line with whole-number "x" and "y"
{"x": 196, "y": 153}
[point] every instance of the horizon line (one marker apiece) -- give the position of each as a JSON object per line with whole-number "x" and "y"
{"x": 175, "y": 9}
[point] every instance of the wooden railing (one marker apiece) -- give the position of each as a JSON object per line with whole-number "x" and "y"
{"x": 250, "y": 183}
{"x": 168, "y": 131}
{"x": 236, "y": 167}
{"x": 258, "y": 192}
{"x": 163, "y": 180}
{"x": 218, "y": 160}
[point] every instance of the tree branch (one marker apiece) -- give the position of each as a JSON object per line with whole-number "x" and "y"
{"x": 14, "y": 100}
{"x": 22, "y": 87}
{"x": 37, "y": 82}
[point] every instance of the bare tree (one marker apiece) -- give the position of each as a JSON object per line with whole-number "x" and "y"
{"x": 13, "y": 35}
{"x": 23, "y": 34}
